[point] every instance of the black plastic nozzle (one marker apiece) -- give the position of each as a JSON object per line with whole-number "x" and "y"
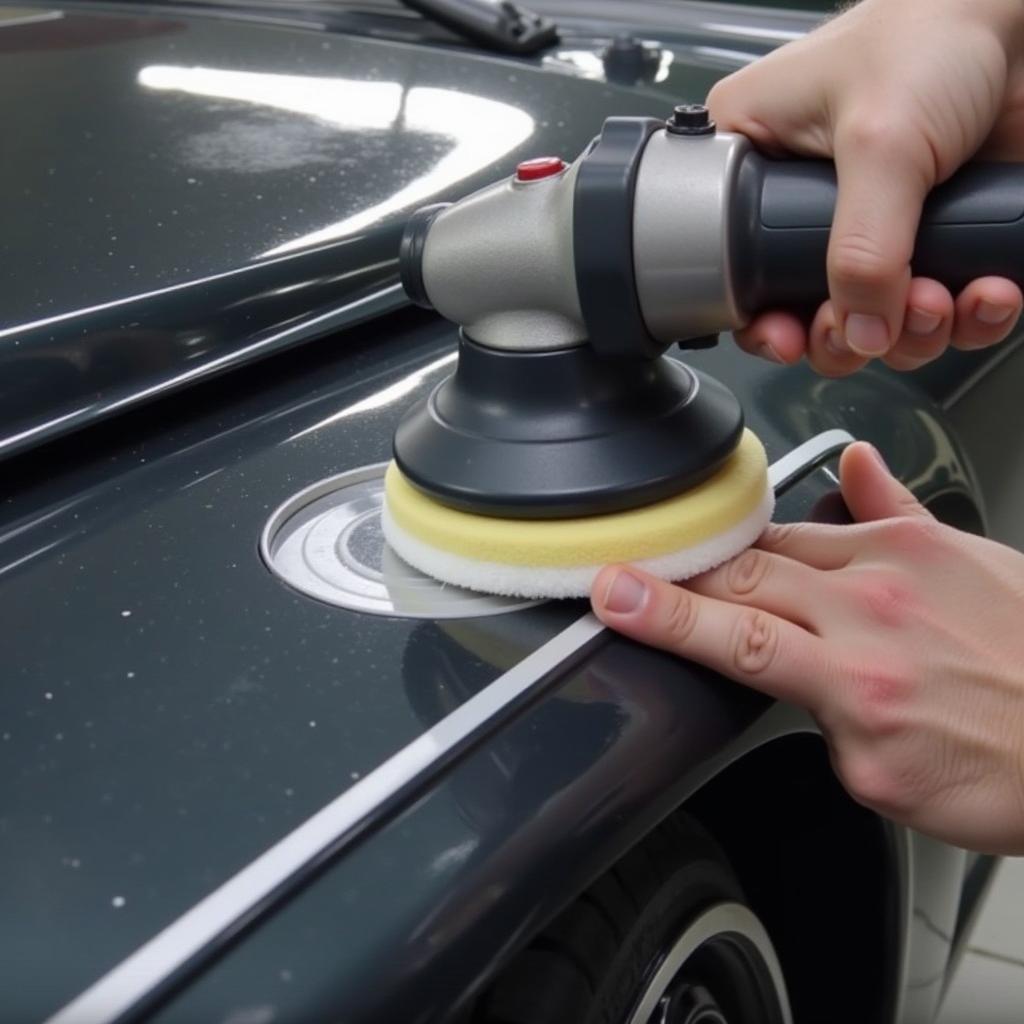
{"x": 410, "y": 253}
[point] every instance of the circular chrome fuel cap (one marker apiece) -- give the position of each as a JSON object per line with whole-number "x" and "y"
{"x": 327, "y": 542}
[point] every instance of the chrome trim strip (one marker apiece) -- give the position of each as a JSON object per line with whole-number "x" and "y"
{"x": 218, "y": 916}
{"x": 18, "y": 16}
{"x": 794, "y": 465}
{"x": 350, "y": 314}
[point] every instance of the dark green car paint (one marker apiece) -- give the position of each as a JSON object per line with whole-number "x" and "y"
{"x": 187, "y": 194}
{"x": 169, "y": 709}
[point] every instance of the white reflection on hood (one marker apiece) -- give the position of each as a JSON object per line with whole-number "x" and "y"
{"x": 481, "y": 130}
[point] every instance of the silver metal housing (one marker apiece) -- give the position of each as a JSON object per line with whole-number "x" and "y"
{"x": 500, "y": 264}
{"x": 681, "y": 234}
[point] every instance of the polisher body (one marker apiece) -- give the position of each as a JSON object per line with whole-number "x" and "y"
{"x": 566, "y": 439}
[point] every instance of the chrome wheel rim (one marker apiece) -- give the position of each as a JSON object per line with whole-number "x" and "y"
{"x": 674, "y": 996}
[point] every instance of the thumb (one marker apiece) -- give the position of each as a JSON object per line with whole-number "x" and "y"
{"x": 870, "y": 490}
{"x": 882, "y": 188}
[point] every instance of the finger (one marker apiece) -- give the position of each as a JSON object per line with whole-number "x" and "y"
{"x": 746, "y": 644}
{"x": 762, "y": 102}
{"x": 761, "y": 579}
{"x": 818, "y": 545}
{"x": 878, "y": 208}
{"x": 927, "y": 326}
{"x": 986, "y": 311}
{"x": 775, "y": 336}
{"x": 870, "y": 491}
{"x": 827, "y": 350}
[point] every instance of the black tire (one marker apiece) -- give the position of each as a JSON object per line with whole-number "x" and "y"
{"x": 594, "y": 962}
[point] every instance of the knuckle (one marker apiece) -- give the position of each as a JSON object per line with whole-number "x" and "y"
{"x": 681, "y": 618}
{"x": 755, "y": 642}
{"x": 718, "y": 96}
{"x": 855, "y": 259}
{"x": 915, "y": 532}
{"x": 726, "y": 95}
{"x": 881, "y": 696}
{"x": 747, "y": 572}
{"x": 777, "y": 535}
{"x": 865, "y": 131}
{"x": 870, "y": 782}
{"x": 885, "y": 598}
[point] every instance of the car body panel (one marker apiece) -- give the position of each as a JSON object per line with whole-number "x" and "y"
{"x": 189, "y": 194}
{"x": 190, "y": 662}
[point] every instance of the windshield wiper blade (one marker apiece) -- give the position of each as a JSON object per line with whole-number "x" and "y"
{"x": 500, "y": 25}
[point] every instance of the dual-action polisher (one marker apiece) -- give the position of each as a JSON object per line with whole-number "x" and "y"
{"x": 565, "y": 439}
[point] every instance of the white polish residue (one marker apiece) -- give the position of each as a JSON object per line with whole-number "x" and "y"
{"x": 118, "y": 902}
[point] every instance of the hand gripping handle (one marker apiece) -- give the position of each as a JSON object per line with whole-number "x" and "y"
{"x": 971, "y": 226}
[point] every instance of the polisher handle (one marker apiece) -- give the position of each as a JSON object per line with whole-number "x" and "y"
{"x": 972, "y": 226}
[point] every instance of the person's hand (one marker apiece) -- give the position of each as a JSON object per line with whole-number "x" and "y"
{"x": 900, "y": 635}
{"x": 900, "y": 93}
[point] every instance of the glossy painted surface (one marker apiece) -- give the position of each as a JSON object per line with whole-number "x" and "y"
{"x": 188, "y": 193}
{"x": 467, "y": 853}
{"x": 146, "y": 756}
{"x": 163, "y": 689}
{"x": 171, "y": 708}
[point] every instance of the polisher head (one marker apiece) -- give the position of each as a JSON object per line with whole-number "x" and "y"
{"x": 673, "y": 538}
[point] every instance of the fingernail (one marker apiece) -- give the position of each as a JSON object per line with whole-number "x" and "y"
{"x": 992, "y": 313}
{"x": 625, "y": 594}
{"x": 834, "y": 343}
{"x": 867, "y": 334}
{"x": 765, "y": 351}
{"x": 920, "y": 321}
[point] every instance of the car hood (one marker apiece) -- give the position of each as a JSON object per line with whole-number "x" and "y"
{"x": 188, "y": 193}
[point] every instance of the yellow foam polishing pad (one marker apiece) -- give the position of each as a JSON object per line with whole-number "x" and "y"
{"x": 716, "y": 506}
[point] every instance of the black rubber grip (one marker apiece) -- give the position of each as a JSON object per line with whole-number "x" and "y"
{"x": 971, "y": 226}
{"x": 603, "y": 239}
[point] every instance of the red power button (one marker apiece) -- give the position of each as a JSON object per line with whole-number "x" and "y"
{"x": 541, "y": 167}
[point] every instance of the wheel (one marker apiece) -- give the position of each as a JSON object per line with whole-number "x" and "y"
{"x": 663, "y": 937}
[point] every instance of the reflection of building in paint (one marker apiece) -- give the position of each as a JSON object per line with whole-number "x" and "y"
{"x": 383, "y": 398}
{"x": 587, "y": 64}
{"x": 481, "y": 130}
